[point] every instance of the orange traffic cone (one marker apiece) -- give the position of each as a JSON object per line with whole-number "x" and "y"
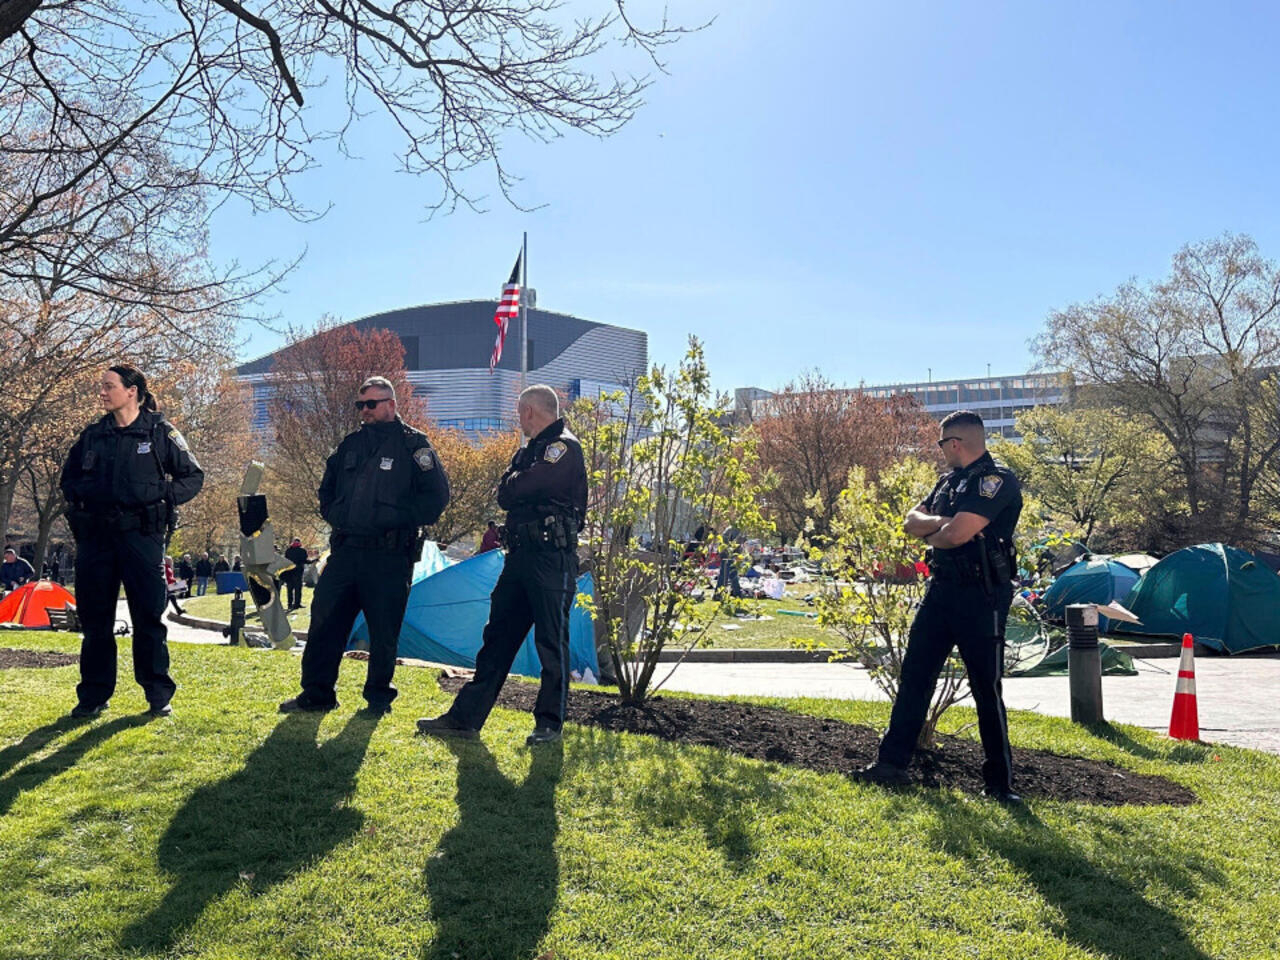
{"x": 1185, "y": 722}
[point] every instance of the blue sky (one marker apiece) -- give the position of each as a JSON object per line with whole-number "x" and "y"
{"x": 872, "y": 190}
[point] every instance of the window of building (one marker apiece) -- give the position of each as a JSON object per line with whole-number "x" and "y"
{"x": 410, "y": 353}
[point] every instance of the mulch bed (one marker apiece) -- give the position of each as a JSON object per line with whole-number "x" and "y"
{"x": 830, "y": 746}
{"x": 11, "y": 659}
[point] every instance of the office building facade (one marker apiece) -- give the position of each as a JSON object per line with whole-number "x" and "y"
{"x": 998, "y": 400}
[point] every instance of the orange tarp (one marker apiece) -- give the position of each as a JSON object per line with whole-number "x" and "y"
{"x": 29, "y": 604}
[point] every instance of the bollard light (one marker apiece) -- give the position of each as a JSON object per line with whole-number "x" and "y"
{"x": 1084, "y": 663}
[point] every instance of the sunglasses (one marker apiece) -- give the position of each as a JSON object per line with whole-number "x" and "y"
{"x": 370, "y": 404}
{"x": 944, "y": 440}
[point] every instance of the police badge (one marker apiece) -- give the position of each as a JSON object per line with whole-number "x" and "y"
{"x": 990, "y": 486}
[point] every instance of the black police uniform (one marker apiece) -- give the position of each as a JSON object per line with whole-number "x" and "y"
{"x": 965, "y": 605}
{"x": 544, "y": 492}
{"x": 293, "y": 578}
{"x": 122, "y": 484}
{"x": 380, "y": 486}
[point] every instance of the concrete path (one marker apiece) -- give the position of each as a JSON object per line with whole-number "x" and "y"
{"x": 1238, "y": 697}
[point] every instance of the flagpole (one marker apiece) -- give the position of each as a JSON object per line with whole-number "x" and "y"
{"x": 524, "y": 311}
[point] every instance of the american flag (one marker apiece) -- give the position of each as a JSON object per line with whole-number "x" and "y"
{"x": 508, "y": 307}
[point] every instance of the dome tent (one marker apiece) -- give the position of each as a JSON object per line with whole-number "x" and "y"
{"x": 1224, "y": 597}
{"x": 449, "y": 606}
{"x": 29, "y": 604}
{"x": 1092, "y": 580}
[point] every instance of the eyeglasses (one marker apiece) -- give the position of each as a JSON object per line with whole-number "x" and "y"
{"x": 945, "y": 439}
{"x": 370, "y": 404}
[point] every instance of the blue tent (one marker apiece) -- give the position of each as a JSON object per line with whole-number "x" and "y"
{"x": 449, "y": 606}
{"x": 1092, "y": 580}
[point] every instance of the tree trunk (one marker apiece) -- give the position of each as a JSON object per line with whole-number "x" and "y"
{"x": 7, "y": 491}
{"x": 13, "y": 14}
{"x": 47, "y": 520}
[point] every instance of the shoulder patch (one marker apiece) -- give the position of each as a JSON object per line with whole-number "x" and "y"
{"x": 990, "y": 485}
{"x": 178, "y": 439}
{"x": 554, "y": 452}
{"x": 424, "y": 458}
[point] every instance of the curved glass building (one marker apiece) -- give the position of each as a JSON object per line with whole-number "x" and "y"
{"x": 447, "y": 348}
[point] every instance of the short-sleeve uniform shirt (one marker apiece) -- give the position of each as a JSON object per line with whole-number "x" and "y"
{"x": 985, "y": 488}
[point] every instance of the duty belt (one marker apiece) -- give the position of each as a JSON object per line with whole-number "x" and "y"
{"x": 549, "y": 533}
{"x": 116, "y": 519}
{"x": 390, "y": 540}
{"x": 963, "y": 569}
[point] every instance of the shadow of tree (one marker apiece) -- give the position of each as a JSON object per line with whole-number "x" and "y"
{"x": 63, "y": 759}
{"x": 1182, "y": 753}
{"x": 1100, "y": 898}
{"x": 720, "y": 792}
{"x": 284, "y": 809}
{"x": 494, "y": 879}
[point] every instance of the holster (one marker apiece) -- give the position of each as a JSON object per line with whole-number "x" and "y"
{"x": 552, "y": 532}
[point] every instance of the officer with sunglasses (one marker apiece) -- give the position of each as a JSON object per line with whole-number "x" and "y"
{"x": 381, "y": 486}
{"x": 968, "y": 522}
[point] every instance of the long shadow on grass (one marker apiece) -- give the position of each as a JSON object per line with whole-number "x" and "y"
{"x": 494, "y": 878}
{"x": 61, "y": 760}
{"x": 275, "y": 816}
{"x": 1099, "y": 896}
{"x": 35, "y": 741}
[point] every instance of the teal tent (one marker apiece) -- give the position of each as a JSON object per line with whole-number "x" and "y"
{"x": 1224, "y": 597}
{"x": 449, "y": 606}
{"x": 1094, "y": 580}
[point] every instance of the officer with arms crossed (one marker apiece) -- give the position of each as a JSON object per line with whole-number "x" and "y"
{"x": 968, "y": 522}
{"x": 544, "y": 492}
{"x": 382, "y": 484}
{"x": 123, "y": 479}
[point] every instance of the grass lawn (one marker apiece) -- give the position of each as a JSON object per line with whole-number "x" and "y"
{"x": 229, "y": 831}
{"x": 776, "y": 632}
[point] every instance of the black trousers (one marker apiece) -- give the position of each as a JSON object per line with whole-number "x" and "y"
{"x": 372, "y": 581}
{"x": 955, "y": 614}
{"x": 293, "y": 584}
{"x": 104, "y": 561}
{"x": 536, "y": 588}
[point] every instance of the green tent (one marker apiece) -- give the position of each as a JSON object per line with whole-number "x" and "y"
{"x": 1224, "y": 597}
{"x": 1115, "y": 663}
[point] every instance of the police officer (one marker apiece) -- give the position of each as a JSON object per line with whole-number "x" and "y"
{"x": 968, "y": 522}
{"x": 380, "y": 487}
{"x": 544, "y": 492}
{"x": 123, "y": 479}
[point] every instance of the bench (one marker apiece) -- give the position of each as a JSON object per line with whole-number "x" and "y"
{"x": 64, "y": 618}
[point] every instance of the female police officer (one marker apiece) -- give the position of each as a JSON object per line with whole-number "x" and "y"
{"x": 122, "y": 480}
